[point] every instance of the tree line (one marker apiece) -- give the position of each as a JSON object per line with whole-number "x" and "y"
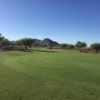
{"x": 28, "y": 43}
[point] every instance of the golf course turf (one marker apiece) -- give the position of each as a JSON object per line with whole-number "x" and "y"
{"x": 45, "y": 74}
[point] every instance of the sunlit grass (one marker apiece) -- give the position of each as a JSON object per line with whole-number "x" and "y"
{"x": 49, "y": 75}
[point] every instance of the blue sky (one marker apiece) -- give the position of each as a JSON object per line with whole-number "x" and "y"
{"x": 65, "y": 21}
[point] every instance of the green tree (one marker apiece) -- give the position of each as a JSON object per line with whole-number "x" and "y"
{"x": 27, "y": 42}
{"x": 96, "y": 46}
{"x": 63, "y": 46}
{"x": 3, "y": 41}
{"x": 19, "y": 43}
{"x": 1, "y": 37}
{"x": 80, "y": 45}
{"x": 71, "y": 46}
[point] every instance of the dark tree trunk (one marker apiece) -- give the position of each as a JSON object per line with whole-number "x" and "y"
{"x": 96, "y": 51}
{"x": 26, "y": 48}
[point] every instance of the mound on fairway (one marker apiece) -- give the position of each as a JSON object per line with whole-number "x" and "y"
{"x": 49, "y": 75}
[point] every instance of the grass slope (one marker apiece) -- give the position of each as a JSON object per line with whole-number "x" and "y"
{"x": 49, "y": 75}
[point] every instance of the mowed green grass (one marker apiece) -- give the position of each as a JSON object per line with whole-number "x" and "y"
{"x": 49, "y": 75}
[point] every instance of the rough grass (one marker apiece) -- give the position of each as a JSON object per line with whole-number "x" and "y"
{"x": 49, "y": 75}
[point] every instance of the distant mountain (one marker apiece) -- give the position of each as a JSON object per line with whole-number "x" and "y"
{"x": 48, "y": 43}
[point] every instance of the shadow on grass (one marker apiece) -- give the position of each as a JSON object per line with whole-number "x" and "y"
{"x": 22, "y": 50}
{"x": 30, "y": 50}
{"x": 44, "y": 51}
